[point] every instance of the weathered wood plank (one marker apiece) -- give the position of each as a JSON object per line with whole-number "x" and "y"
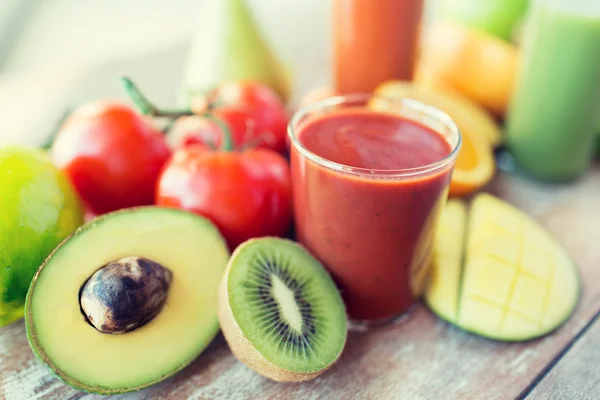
{"x": 575, "y": 376}
{"x": 422, "y": 358}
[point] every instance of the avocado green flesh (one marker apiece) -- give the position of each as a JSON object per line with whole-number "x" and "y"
{"x": 516, "y": 281}
{"x": 273, "y": 276}
{"x": 188, "y": 245}
{"x": 38, "y": 209}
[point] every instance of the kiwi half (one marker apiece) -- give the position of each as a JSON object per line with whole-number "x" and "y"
{"x": 280, "y": 311}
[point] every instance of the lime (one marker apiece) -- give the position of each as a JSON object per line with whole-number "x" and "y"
{"x": 38, "y": 209}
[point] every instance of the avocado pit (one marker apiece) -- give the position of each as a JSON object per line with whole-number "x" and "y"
{"x": 125, "y": 294}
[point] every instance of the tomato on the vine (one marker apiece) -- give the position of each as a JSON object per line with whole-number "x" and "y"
{"x": 200, "y": 129}
{"x": 245, "y": 193}
{"x": 264, "y": 106}
{"x": 112, "y": 155}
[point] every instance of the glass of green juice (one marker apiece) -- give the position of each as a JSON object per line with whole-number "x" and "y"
{"x": 555, "y": 108}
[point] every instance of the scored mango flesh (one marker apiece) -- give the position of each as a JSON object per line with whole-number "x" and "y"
{"x": 498, "y": 273}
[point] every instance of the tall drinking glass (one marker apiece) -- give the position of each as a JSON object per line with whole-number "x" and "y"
{"x": 370, "y": 177}
{"x": 374, "y": 41}
{"x": 556, "y": 105}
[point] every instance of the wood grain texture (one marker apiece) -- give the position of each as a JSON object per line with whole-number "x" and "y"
{"x": 420, "y": 358}
{"x": 575, "y": 376}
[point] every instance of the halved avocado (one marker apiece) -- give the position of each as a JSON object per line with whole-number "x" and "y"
{"x": 498, "y": 273}
{"x": 150, "y": 272}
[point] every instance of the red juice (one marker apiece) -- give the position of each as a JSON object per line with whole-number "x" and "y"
{"x": 368, "y": 190}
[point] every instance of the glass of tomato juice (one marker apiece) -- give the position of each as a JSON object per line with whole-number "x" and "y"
{"x": 370, "y": 178}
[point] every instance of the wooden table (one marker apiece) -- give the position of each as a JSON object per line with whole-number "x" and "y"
{"x": 422, "y": 358}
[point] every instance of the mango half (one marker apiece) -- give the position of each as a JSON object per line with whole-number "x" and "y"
{"x": 499, "y": 274}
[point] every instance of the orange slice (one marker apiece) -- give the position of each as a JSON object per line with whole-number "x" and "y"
{"x": 476, "y": 63}
{"x": 475, "y": 163}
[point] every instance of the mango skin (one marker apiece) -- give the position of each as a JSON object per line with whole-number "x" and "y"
{"x": 515, "y": 281}
{"x": 446, "y": 274}
{"x": 38, "y": 209}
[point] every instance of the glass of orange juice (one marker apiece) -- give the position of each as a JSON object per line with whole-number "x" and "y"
{"x": 374, "y": 41}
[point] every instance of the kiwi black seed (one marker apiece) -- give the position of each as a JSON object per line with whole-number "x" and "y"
{"x": 272, "y": 320}
{"x": 280, "y": 311}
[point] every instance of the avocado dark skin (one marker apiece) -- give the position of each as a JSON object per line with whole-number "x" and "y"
{"x": 125, "y": 294}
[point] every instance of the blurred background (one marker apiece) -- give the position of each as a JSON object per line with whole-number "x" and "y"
{"x": 71, "y": 33}
{"x": 56, "y": 52}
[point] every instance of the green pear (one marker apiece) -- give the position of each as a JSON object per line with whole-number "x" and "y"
{"x": 229, "y": 47}
{"x": 598, "y": 141}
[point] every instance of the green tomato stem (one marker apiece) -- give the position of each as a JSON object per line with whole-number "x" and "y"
{"x": 227, "y": 142}
{"x": 145, "y": 106}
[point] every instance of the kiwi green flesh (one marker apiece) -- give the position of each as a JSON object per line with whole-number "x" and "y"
{"x": 287, "y": 305}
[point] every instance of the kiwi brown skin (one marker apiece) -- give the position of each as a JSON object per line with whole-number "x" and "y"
{"x": 241, "y": 347}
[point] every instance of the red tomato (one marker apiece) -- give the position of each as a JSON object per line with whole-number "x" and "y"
{"x": 198, "y": 129}
{"x": 88, "y": 215}
{"x": 246, "y": 194}
{"x": 112, "y": 156}
{"x": 265, "y": 107}
{"x": 193, "y": 129}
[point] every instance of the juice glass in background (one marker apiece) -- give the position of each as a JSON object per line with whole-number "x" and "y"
{"x": 374, "y": 41}
{"x": 554, "y": 112}
{"x": 370, "y": 177}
